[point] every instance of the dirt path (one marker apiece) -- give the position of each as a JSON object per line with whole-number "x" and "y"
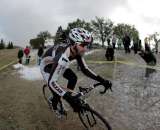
{"x": 134, "y": 104}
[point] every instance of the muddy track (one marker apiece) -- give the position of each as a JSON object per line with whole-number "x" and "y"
{"x": 134, "y": 104}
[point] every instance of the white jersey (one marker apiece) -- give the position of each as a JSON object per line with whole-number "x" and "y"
{"x": 54, "y": 63}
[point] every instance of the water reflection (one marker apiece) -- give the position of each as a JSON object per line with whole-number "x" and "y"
{"x": 148, "y": 77}
{"x": 149, "y": 71}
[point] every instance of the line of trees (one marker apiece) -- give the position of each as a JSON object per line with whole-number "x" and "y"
{"x": 40, "y": 39}
{"x": 101, "y": 29}
{"x": 156, "y": 38}
{"x": 3, "y": 45}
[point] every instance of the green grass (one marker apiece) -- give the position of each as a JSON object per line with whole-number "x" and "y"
{"x": 7, "y": 56}
{"x": 104, "y": 69}
{"x": 100, "y": 56}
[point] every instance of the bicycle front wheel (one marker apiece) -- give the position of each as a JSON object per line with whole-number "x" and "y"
{"x": 92, "y": 120}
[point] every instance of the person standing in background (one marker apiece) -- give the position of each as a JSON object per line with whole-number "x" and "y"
{"x": 139, "y": 45}
{"x": 114, "y": 39}
{"x": 126, "y": 43}
{"x": 39, "y": 54}
{"x": 135, "y": 45}
{"x": 119, "y": 43}
{"x": 20, "y": 55}
{"x": 148, "y": 55}
{"x": 109, "y": 51}
{"x": 27, "y": 52}
{"x": 147, "y": 46}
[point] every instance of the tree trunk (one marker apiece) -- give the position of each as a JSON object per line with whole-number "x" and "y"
{"x": 156, "y": 47}
{"x": 102, "y": 44}
{"x": 102, "y": 41}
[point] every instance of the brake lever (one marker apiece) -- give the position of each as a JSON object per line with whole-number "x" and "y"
{"x": 84, "y": 90}
{"x": 105, "y": 89}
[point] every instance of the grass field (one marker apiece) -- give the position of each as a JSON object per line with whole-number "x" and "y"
{"x": 7, "y": 56}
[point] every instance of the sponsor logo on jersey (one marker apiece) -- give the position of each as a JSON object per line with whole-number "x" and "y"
{"x": 63, "y": 59}
{"x": 57, "y": 88}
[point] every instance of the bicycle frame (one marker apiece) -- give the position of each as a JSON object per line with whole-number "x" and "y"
{"x": 84, "y": 91}
{"x": 85, "y": 109}
{"x": 86, "y": 112}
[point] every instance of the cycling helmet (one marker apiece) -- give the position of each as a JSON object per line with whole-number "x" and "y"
{"x": 80, "y": 36}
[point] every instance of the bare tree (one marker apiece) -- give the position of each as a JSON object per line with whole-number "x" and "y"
{"x": 156, "y": 40}
{"x": 102, "y": 28}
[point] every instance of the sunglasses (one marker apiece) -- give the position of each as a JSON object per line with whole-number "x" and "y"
{"x": 83, "y": 45}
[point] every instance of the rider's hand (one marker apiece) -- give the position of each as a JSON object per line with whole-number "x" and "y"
{"x": 73, "y": 101}
{"x": 106, "y": 83}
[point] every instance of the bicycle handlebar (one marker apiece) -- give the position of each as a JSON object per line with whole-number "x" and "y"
{"x": 105, "y": 88}
{"x": 87, "y": 90}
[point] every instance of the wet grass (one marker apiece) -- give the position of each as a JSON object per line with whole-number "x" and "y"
{"x": 99, "y": 55}
{"x": 103, "y": 67}
{"x": 7, "y": 56}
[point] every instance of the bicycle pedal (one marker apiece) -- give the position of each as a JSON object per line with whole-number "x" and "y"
{"x": 63, "y": 112}
{"x": 60, "y": 115}
{"x": 49, "y": 101}
{"x": 50, "y": 105}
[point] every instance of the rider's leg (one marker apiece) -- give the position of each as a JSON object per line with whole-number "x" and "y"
{"x": 71, "y": 77}
{"x": 57, "y": 104}
{"x": 55, "y": 99}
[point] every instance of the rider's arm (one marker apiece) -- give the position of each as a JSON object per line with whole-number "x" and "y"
{"x": 87, "y": 71}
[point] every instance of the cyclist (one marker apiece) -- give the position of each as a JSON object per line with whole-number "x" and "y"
{"x": 55, "y": 63}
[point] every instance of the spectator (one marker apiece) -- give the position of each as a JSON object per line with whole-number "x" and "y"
{"x": 148, "y": 57}
{"x": 20, "y": 55}
{"x": 135, "y": 45}
{"x": 149, "y": 71}
{"x": 147, "y": 46}
{"x": 119, "y": 43}
{"x": 109, "y": 51}
{"x": 139, "y": 45}
{"x": 28, "y": 59}
{"x": 114, "y": 39}
{"x": 126, "y": 43}
{"x": 27, "y": 52}
{"x": 40, "y": 53}
{"x": 108, "y": 41}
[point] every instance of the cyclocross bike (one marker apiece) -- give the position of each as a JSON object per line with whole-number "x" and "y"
{"x": 90, "y": 118}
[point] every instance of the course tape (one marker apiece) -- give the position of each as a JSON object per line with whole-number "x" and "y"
{"x": 5, "y": 66}
{"x": 101, "y": 62}
{"x": 124, "y": 62}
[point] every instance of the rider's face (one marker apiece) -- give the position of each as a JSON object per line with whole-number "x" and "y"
{"x": 81, "y": 49}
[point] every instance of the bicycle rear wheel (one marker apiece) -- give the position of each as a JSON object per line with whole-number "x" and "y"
{"x": 46, "y": 93}
{"x": 92, "y": 120}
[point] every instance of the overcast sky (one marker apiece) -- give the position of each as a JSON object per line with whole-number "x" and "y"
{"x": 21, "y": 20}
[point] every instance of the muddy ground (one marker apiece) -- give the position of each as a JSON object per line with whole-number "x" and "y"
{"x": 133, "y": 105}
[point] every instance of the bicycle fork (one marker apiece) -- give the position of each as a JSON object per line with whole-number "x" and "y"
{"x": 90, "y": 119}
